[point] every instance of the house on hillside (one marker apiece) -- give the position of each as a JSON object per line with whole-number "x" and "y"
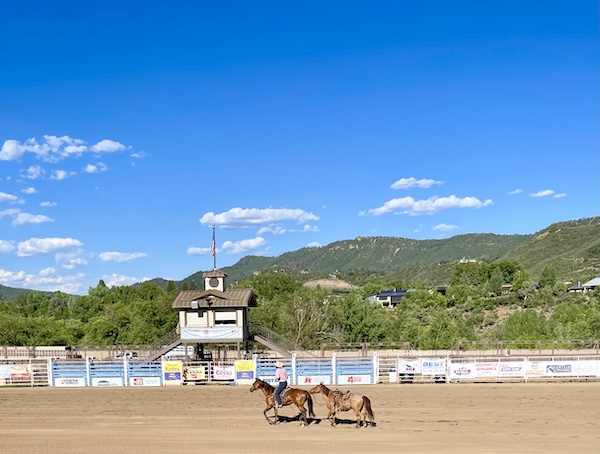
{"x": 389, "y": 299}
{"x": 590, "y": 286}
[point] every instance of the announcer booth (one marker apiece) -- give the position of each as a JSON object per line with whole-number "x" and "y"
{"x": 215, "y": 314}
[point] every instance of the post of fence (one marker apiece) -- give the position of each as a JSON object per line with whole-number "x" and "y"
{"x": 49, "y": 372}
{"x": 126, "y": 370}
{"x": 375, "y": 367}
{"x": 88, "y": 372}
{"x": 334, "y": 368}
{"x": 294, "y": 378}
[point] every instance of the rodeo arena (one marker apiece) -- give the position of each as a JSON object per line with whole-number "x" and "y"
{"x": 215, "y": 344}
{"x": 218, "y": 319}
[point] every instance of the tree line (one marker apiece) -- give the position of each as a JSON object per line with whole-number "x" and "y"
{"x": 472, "y": 310}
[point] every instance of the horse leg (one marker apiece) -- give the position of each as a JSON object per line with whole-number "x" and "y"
{"x": 269, "y": 407}
{"x": 303, "y": 418}
{"x": 357, "y": 413}
{"x": 331, "y": 415}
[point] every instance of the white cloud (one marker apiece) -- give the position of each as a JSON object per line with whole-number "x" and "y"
{"x": 11, "y": 151}
{"x": 54, "y": 149}
{"x": 412, "y": 207}
{"x": 238, "y": 247}
{"x": 27, "y": 218}
{"x": 33, "y": 172}
{"x": 9, "y": 198}
{"x": 249, "y": 217}
{"x": 108, "y": 146}
{"x": 71, "y": 260}
{"x": 10, "y": 212}
{"x": 6, "y": 246}
{"x": 99, "y": 167}
{"x": 543, "y": 193}
{"x": 198, "y": 250}
{"x": 560, "y": 196}
{"x": 407, "y": 183}
{"x": 445, "y": 227}
{"x": 48, "y": 204}
{"x": 118, "y": 280}
{"x": 313, "y": 244}
{"x": 121, "y": 256}
{"x": 516, "y": 191}
{"x": 310, "y": 228}
{"x": 61, "y": 175}
{"x": 46, "y": 279}
{"x": 275, "y": 230}
{"x": 29, "y": 190}
{"x": 37, "y": 246}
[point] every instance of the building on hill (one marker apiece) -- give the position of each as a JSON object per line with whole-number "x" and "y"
{"x": 389, "y": 299}
{"x": 590, "y": 286}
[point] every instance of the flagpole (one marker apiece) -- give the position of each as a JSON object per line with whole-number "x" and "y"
{"x": 213, "y": 248}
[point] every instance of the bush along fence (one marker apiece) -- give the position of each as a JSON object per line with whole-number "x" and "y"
{"x": 333, "y": 370}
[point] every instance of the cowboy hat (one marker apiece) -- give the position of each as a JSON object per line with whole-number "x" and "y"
{"x": 278, "y": 364}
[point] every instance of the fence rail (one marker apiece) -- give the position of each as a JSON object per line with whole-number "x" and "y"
{"x": 334, "y": 370}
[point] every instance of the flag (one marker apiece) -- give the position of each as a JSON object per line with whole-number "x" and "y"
{"x": 213, "y": 247}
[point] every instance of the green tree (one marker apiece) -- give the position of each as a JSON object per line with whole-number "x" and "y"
{"x": 548, "y": 277}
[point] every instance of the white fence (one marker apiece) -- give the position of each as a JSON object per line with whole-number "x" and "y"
{"x": 303, "y": 371}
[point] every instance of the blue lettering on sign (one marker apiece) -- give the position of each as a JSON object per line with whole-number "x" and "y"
{"x": 559, "y": 368}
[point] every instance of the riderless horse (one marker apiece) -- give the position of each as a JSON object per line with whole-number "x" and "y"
{"x": 289, "y": 396}
{"x": 338, "y": 401}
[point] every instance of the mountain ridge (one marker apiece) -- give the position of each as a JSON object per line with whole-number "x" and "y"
{"x": 572, "y": 248}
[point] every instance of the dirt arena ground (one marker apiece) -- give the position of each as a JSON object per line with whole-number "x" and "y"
{"x": 412, "y": 418}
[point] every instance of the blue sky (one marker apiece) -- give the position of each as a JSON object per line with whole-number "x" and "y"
{"x": 127, "y": 129}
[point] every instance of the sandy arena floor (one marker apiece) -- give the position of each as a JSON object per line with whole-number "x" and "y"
{"x": 411, "y": 418}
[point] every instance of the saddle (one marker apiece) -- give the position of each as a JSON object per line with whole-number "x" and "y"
{"x": 286, "y": 392}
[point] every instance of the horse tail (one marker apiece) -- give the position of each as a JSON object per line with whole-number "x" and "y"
{"x": 367, "y": 404}
{"x": 311, "y": 413}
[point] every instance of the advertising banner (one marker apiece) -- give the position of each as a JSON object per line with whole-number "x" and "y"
{"x": 244, "y": 372}
{"x": 144, "y": 381}
{"x": 195, "y": 373}
{"x": 433, "y": 367}
{"x": 223, "y": 373}
{"x": 462, "y": 370}
{"x": 69, "y": 382}
{"x": 172, "y": 372}
{"x": 362, "y": 379}
{"x": 270, "y": 379}
{"x": 232, "y": 333}
{"x": 589, "y": 368}
{"x": 561, "y": 369}
{"x": 486, "y": 369}
{"x": 4, "y": 371}
{"x": 314, "y": 379}
{"x": 20, "y": 372}
{"x": 107, "y": 381}
{"x": 409, "y": 366}
{"x": 535, "y": 369}
{"x": 511, "y": 369}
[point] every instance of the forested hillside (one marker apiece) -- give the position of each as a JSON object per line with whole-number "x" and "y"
{"x": 572, "y": 248}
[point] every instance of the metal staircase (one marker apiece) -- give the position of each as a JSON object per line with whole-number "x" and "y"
{"x": 164, "y": 345}
{"x": 276, "y": 342}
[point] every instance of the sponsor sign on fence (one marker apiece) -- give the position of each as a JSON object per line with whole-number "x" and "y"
{"x": 223, "y": 373}
{"x": 244, "y": 372}
{"x": 172, "y": 372}
{"x": 144, "y": 381}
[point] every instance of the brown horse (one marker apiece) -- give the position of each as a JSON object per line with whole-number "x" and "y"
{"x": 289, "y": 396}
{"x": 338, "y": 401}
